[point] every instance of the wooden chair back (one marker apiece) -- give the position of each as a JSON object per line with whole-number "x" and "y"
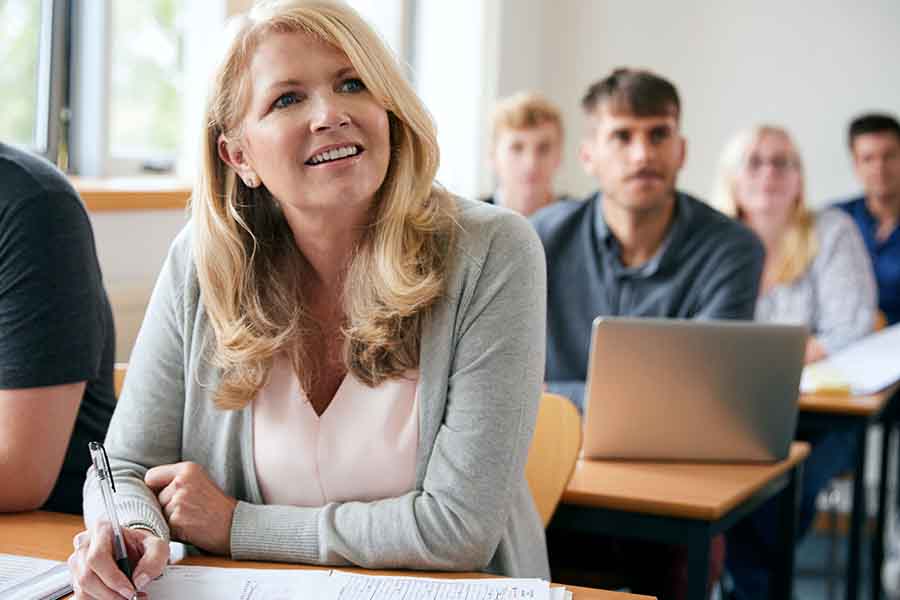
{"x": 553, "y": 453}
{"x": 119, "y": 370}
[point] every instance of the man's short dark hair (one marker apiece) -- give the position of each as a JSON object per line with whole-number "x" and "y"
{"x": 634, "y": 91}
{"x": 872, "y": 123}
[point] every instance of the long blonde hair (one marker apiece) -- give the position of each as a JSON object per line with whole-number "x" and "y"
{"x": 249, "y": 268}
{"x": 798, "y": 246}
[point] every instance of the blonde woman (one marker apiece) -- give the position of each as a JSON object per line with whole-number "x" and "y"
{"x": 341, "y": 363}
{"x": 816, "y": 272}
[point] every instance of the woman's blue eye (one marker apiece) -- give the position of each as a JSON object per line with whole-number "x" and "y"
{"x": 352, "y": 85}
{"x": 285, "y": 100}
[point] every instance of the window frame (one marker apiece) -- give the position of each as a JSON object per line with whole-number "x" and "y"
{"x": 73, "y": 115}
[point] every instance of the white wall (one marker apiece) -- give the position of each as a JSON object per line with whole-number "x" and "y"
{"x": 451, "y": 63}
{"x": 131, "y": 248}
{"x": 809, "y": 65}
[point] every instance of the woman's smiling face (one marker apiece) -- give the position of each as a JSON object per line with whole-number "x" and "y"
{"x": 312, "y": 132}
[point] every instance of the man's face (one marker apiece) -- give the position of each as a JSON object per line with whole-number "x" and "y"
{"x": 525, "y": 161}
{"x": 635, "y": 159}
{"x": 876, "y": 159}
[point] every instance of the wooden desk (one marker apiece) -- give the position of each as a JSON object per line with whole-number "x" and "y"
{"x": 684, "y": 503}
{"x": 49, "y": 535}
{"x": 831, "y": 412}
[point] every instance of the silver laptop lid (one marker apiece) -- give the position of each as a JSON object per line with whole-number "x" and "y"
{"x": 665, "y": 389}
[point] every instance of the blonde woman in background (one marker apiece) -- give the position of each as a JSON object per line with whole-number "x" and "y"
{"x": 341, "y": 363}
{"x": 817, "y": 272}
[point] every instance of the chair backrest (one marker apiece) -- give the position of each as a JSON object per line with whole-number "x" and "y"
{"x": 880, "y": 321}
{"x": 119, "y": 370}
{"x": 553, "y": 453}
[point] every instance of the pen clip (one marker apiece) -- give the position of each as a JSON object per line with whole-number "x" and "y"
{"x": 112, "y": 481}
{"x": 104, "y": 469}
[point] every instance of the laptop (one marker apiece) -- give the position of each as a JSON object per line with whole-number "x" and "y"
{"x": 716, "y": 391}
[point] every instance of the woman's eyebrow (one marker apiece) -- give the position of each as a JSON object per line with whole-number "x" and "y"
{"x": 283, "y": 83}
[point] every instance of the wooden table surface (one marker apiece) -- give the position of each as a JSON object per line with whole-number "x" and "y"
{"x": 846, "y": 404}
{"x": 700, "y": 491}
{"x": 49, "y": 535}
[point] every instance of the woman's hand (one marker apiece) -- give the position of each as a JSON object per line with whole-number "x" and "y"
{"x": 95, "y": 574}
{"x": 198, "y": 512}
{"x": 815, "y": 351}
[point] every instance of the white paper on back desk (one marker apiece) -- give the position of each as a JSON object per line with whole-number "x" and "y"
{"x": 866, "y": 366}
{"x": 211, "y": 583}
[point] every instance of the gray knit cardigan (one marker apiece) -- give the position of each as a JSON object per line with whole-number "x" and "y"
{"x": 481, "y": 368}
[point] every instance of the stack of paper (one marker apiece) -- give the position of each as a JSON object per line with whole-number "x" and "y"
{"x": 209, "y": 583}
{"x": 864, "y": 367}
{"x": 26, "y": 578}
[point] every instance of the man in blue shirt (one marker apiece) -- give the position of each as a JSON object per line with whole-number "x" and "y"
{"x": 639, "y": 248}
{"x": 874, "y": 141}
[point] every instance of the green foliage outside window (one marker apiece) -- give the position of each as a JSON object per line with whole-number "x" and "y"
{"x": 147, "y": 80}
{"x": 19, "y": 46}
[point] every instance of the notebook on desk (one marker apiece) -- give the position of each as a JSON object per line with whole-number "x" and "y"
{"x": 666, "y": 389}
{"x": 27, "y": 578}
{"x": 864, "y": 367}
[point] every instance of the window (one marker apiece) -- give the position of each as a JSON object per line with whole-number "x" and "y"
{"x": 20, "y": 55}
{"x": 147, "y": 81}
{"x": 117, "y": 87}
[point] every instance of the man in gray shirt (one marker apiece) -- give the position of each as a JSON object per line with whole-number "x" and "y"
{"x": 640, "y": 248}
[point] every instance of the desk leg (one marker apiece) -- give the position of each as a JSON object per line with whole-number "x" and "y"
{"x": 857, "y": 514}
{"x": 887, "y": 426}
{"x": 699, "y": 539}
{"x": 782, "y": 584}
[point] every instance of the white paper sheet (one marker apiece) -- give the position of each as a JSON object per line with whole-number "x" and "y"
{"x": 210, "y": 583}
{"x": 352, "y": 586}
{"x": 27, "y": 578}
{"x": 864, "y": 367}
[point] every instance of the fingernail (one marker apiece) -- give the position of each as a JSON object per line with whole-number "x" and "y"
{"x": 126, "y": 593}
{"x": 141, "y": 581}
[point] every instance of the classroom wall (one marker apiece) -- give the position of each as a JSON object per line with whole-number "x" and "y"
{"x": 131, "y": 248}
{"x": 808, "y": 64}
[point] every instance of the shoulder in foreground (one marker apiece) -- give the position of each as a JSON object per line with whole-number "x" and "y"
{"x": 181, "y": 250}
{"x": 483, "y": 227}
{"x": 26, "y": 175}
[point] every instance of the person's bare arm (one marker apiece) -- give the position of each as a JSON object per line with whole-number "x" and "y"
{"x": 35, "y": 427}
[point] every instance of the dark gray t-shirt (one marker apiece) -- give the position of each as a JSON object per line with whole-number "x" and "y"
{"x": 707, "y": 267}
{"x": 56, "y": 324}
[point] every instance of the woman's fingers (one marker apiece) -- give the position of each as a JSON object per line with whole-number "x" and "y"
{"x": 94, "y": 572}
{"x": 154, "y": 557}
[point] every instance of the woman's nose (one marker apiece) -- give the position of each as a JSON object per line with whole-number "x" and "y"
{"x": 328, "y": 113}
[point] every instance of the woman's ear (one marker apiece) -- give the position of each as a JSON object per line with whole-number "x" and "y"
{"x": 232, "y": 154}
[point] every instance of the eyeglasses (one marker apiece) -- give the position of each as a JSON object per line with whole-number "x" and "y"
{"x": 779, "y": 164}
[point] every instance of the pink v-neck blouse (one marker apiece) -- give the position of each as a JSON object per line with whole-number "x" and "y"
{"x": 363, "y": 447}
